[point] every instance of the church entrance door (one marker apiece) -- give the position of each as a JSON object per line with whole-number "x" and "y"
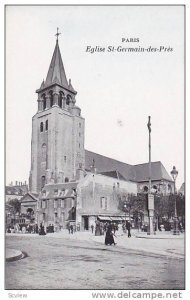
{"x": 86, "y": 222}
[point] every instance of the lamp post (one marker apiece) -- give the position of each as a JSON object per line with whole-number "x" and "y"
{"x": 125, "y": 209}
{"x": 150, "y": 195}
{"x": 174, "y": 174}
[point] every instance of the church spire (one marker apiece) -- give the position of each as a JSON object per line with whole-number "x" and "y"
{"x": 57, "y": 34}
{"x": 56, "y": 72}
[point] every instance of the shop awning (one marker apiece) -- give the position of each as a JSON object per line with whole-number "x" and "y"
{"x": 116, "y": 218}
{"x": 104, "y": 218}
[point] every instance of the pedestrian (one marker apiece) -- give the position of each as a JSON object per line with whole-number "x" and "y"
{"x": 71, "y": 228}
{"x": 92, "y": 228}
{"x": 128, "y": 227}
{"x": 109, "y": 240}
{"x": 42, "y": 231}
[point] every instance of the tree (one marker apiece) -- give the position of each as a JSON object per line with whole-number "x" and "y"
{"x": 15, "y": 203}
{"x": 134, "y": 205}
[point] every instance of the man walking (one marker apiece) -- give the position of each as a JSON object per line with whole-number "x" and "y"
{"x": 92, "y": 228}
{"x": 128, "y": 227}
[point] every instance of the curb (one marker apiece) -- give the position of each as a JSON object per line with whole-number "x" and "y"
{"x": 13, "y": 255}
{"x": 155, "y": 237}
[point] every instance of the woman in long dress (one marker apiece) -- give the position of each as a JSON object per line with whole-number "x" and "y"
{"x": 109, "y": 240}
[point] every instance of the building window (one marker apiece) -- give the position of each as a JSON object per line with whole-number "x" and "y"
{"x": 51, "y": 98}
{"x": 56, "y": 192}
{"x": 103, "y": 202}
{"x": 145, "y": 189}
{"x": 60, "y": 99}
{"x": 41, "y": 127}
{"x": 79, "y": 125}
{"x": 43, "y": 193}
{"x": 79, "y": 145}
{"x": 79, "y": 133}
{"x": 44, "y": 101}
{"x": 44, "y": 216}
{"x": 46, "y": 124}
{"x": 55, "y": 203}
{"x": 68, "y": 99}
{"x": 62, "y": 203}
{"x": 43, "y": 203}
{"x": 55, "y": 217}
{"x": 65, "y": 159}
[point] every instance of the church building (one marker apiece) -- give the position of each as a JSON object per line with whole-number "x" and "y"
{"x": 68, "y": 183}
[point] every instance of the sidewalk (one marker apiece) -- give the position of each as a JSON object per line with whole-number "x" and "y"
{"x": 12, "y": 254}
{"x": 160, "y": 244}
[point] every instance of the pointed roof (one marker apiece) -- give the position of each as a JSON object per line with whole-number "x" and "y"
{"x": 56, "y": 72}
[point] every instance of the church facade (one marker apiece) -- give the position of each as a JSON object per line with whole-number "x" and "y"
{"x": 68, "y": 183}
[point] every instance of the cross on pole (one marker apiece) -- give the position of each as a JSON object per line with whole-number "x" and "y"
{"x": 58, "y": 33}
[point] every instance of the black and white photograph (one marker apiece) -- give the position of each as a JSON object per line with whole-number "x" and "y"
{"x": 95, "y": 148}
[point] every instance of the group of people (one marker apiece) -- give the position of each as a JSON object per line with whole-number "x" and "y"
{"x": 101, "y": 228}
{"x": 109, "y": 229}
{"x": 110, "y": 233}
{"x": 72, "y": 228}
{"x": 23, "y": 228}
{"x": 31, "y": 228}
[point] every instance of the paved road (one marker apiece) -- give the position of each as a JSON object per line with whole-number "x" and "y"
{"x": 55, "y": 263}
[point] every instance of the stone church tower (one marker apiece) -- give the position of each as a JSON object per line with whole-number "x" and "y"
{"x": 57, "y": 148}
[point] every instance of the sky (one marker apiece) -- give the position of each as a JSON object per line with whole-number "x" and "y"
{"x": 116, "y": 91}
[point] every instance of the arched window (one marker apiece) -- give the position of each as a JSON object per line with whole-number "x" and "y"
{"x": 44, "y": 101}
{"x": 51, "y": 98}
{"x": 46, "y": 124}
{"x": 68, "y": 99}
{"x": 41, "y": 127}
{"x": 145, "y": 188}
{"x": 66, "y": 179}
{"x": 60, "y": 99}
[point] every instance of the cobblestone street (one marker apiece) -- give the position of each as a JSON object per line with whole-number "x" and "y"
{"x": 68, "y": 262}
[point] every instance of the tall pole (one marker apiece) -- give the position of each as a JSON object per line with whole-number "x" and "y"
{"x": 150, "y": 196}
{"x": 176, "y": 230}
{"x": 174, "y": 174}
{"x": 149, "y": 146}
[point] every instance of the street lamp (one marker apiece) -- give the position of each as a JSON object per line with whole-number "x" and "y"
{"x": 125, "y": 209}
{"x": 174, "y": 174}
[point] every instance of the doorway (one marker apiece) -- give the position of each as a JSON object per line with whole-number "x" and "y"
{"x": 86, "y": 222}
